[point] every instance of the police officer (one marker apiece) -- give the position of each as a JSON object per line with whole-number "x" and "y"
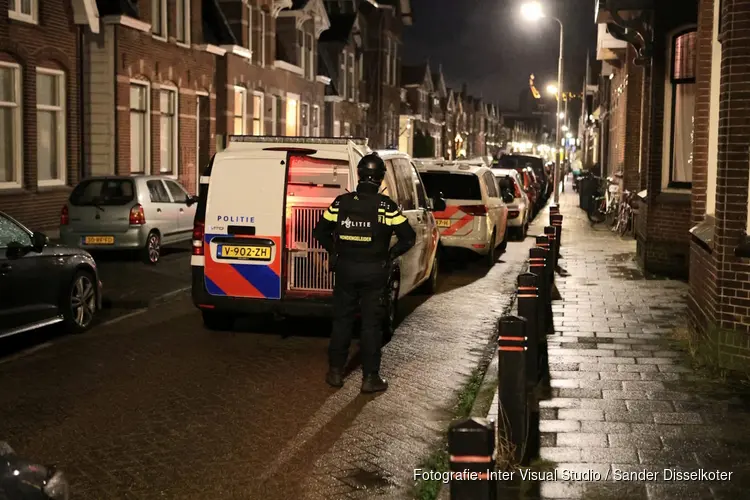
{"x": 356, "y": 231}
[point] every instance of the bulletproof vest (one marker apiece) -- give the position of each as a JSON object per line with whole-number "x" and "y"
{"x": 357, "y": 227}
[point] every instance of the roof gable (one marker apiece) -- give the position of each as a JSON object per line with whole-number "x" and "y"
{"x": 305, "y": 10}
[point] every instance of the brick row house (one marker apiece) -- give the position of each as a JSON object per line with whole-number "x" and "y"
{"x": 649, "y": 74}
{"x": 675, "y": 123}
{"x": 155, "y": 86}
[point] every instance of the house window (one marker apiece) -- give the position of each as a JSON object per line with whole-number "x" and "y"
{"x": 257, "y": 113}
{"x": 342, "y": 73}
{"x": 310, "y": 73}
{"x": 316, "y": 121}
{"x": 682, "y": 95}
{"x": 158, "y": 17}
{"x": 139, "y": 128}
{"x": 240, "y": 111}
{"x": 336, "y": 128}
{"x": 11, "y": 165}
{"x": 182, "y": 21}
{"x": 291, "y": 116}
{"x": 304, "y": 119}
{"x": 713, "y": 128}
{"x": 24, "y": 10}
{"x": 361, "y": 76}
{"x": 351, "y": 86}
{"x": 387, "y": 60}
{"x": 168, "y": 130}
{"x": 394, "y": 66}
{"x": 50, "y": 126}
{"x": 347, "y": 129}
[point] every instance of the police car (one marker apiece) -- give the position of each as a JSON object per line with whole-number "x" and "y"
{"x": 476, "y": 217}
{"x": 259, "y": 200}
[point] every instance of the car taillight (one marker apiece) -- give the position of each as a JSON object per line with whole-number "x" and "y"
{"x": 199, "y": 231}
{"x": 474, "y": 209}
{"x": 512, "y": 214}
{"x": 64, "y": 217}
{"x": 137, "y": 216}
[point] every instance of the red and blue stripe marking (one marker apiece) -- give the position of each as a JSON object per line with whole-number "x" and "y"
{"x": 237, "y": 279}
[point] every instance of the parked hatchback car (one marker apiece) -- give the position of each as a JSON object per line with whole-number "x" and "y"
{"x": 476, "y": 216}
{"x": 519, "y": 210}
{"x": 43, "y": 284}
{"x": 128, "y": 213}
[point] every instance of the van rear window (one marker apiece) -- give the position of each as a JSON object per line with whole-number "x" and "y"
{"x": 317, "y": 177}
{"x": 103, "y": 192}
{"x": 452, "y": 186}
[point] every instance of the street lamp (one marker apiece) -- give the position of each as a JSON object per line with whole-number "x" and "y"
{"x": 564, "y": 128}
{"x": 532, "y": 11}
{"x": 561, "y": 116}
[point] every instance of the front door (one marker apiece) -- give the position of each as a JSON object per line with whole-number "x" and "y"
{"x": 203, "y": 155}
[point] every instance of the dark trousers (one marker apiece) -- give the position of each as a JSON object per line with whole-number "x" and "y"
{"x": 359, "y": 286}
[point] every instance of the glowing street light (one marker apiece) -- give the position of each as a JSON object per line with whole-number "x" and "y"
{"x": 564, "y": 128}
{"x": 569, "y": 135}
{"x": 552, "y": 89}
{"x": 533, "y": 11}
{"x": 561, "y": 116}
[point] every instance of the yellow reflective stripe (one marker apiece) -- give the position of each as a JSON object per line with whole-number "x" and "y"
{"x": 391, "y": 214}
{"x": 395, "y": 221}
{"x": 327, "y": 215}
{"x": 333, "y": 210}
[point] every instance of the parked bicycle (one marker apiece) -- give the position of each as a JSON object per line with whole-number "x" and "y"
{"x": 624, "y": 223}
{"x": 605, "y": 203}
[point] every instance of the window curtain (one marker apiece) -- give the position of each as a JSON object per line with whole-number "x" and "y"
{"x": 682, "y": 145}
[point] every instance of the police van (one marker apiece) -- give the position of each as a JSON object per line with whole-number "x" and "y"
{"x": 259, "y": 200}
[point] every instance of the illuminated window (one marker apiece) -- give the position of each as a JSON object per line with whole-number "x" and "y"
{"x": 240, "y": 111}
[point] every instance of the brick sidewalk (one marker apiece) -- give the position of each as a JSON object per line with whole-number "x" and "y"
{"x": 623, "y": 395}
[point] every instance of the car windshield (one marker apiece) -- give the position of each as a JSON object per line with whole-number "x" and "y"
{"x": 103, "y": 192}
{"x": 452, "y": 186}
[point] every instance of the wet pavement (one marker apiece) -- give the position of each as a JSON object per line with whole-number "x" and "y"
{"x": 154, "y": 406}
{"x": 624, "y": 397}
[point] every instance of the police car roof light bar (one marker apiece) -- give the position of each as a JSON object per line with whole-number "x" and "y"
{"x": 360, "y": 141}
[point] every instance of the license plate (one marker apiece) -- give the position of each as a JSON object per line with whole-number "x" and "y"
{"x": 99, "y": 240}
{"x": 243, "y": 252}
{"x": 443, "y": 223}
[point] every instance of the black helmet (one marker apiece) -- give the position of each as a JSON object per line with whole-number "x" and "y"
{"x": 371, "y": 168}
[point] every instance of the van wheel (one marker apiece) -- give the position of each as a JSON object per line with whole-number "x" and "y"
{"x": 151, "y": 252}
{"x": 217, "y": 321}
{"x": 430, "y": 286}
{"x": 391, "y": 310}
{"x": 504, "y": 245}
{"x": 491, "y": 256}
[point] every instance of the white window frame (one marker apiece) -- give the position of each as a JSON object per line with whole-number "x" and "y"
{"x": 250, "y": 31}
{"x": 387, "y": 60}
{"x": 17, "y": 140}
{"x": 262, "y": 16}
{"x": 343, "y": 73}
{"x": 243, "y": 114}
{"x": 60, "y": 110}
{"x": 713, "y": 128}
{"x": 667, "y": 139}
{"x": 302, "y": 52}
{"x": 394, "y": 66}
{"x": 296, "y": 99}
{"x": 352, "y": 90}
{"x": 175, "y": 133}
{"x": 316, "y": 126}
{"x": 311, "y": 55}
{"x": 163, "y": 19}
{"x": 336, "y": 128}
{"x": 147, "y": 128}
{"x": 304, "y": 128}
{"x": 186, "y": 19}
{"x": 14, "y": 11}
{"x": 259, "y": 114}
{"x": 347, "y": 131}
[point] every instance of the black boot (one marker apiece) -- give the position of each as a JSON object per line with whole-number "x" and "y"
{"x": 373, "y": 383}
{"x": 335, "y": 377}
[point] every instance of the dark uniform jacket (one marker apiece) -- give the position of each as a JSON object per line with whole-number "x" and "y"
{"x": 358, "y": 227}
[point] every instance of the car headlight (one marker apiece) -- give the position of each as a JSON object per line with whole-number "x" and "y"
{"x": 57, "y": 487}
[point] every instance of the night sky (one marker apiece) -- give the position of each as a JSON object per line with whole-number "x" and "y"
{"x": 490, "y": 47}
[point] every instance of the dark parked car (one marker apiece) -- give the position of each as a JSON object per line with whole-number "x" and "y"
{"x": 43, "y": 284}
{"x": 518, "y": 162}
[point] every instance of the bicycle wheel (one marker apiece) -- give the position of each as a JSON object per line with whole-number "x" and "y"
{"x": 597, "y": 210}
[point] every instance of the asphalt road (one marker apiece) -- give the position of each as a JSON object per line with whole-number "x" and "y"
{"x": 154, "y": 406}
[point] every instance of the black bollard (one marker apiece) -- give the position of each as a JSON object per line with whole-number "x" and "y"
{"x": 471, "y": 445}
{"x": 529, "y": 307}
{"x": 539, "y": 262}
{"x": 512, "y": 393}
{"x": 553, "y": 209}
{"x": 549, "y": 232}
{"x": 557, "y": 221}
{"x": 544, "y": 242}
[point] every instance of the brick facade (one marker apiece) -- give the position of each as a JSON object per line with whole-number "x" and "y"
{"x": 51, "y": 41}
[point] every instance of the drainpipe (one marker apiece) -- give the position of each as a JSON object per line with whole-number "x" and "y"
{"x": 82, "y": 166}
